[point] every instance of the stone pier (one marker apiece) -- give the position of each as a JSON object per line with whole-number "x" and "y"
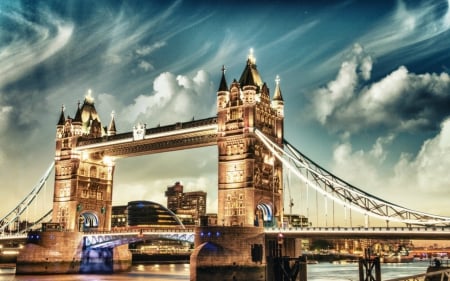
{"x": 59, "y": 252}
{"x": 228, "y": 253}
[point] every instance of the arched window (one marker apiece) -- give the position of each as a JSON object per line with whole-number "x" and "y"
{"x": 93, "y": 172}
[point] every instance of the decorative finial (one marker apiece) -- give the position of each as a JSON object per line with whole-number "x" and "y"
{"x": 251, "y": 57}
{"x": 63, "y": 107}
{"x": 223, "y": 69}
{"x": 112, "y": 114}
{"x": 89, "y": 97}
{"x": 277, "y": 80}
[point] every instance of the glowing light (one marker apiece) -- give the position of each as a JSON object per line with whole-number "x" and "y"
{"x": 107, "y": 160}
{"x": 251, "y": 57}
{"x": 89, "y": 97}
{"x": 10, "y": 252}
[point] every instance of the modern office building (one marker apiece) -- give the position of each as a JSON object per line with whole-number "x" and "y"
{"x": 186, "y": 204}
{"x": 143, "y": 213}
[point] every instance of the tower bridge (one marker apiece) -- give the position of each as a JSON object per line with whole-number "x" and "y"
{"x": 253, "y": 154}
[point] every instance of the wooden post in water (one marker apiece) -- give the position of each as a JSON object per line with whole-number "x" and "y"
{"x": 367, "y": 266}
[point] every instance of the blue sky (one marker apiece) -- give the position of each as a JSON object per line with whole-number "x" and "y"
{"x": 366, "y": 86}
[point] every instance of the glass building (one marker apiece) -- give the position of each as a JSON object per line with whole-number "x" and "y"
{"x": 147, "y": 213}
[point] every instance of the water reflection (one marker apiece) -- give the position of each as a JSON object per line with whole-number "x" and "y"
{"x": 176, "y": 272}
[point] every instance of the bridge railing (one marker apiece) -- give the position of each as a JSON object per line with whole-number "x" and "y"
{"x": 399, "y": 232}
{"x": 133, "y": 230}
{"x": 358, "y": 229}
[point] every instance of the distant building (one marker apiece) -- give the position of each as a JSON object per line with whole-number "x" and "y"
{"x": 147, "y": 213}
{"x": 119, "y": 216}
{"x": 208, "y": 220}
{"x": 186, "y": 204}
{"x": 143, "y": 213}
{"x": 295, "y": 220}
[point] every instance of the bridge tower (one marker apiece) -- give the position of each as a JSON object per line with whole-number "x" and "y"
{"x": 249, "y": 177}
{"x": 82, "y": 197}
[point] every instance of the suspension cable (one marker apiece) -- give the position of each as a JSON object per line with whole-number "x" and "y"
{"x": 342, "y": 192}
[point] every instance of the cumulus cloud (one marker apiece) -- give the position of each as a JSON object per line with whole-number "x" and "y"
{"x": 429, "y": 170}
{"x": 425, "y": 173}
{"x": 401, "y": 101}
{"x": 174, "y": 99}
{"x": 360, "y": 167}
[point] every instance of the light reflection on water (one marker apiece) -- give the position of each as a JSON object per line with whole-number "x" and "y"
{"x": 176, "y": 272}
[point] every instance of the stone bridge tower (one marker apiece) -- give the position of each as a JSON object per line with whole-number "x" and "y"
{"x": 83, "y": 182}
{"x": 250, "y": 178}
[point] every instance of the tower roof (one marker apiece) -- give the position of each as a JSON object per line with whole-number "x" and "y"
{"x": 250, "y": 75}
{"x": 112, "y": 124}
{"x": 62, "y": 118}
{"x": 223, "y": 82}
{"x": 88, "y": 112}
{"x": 78, "y": 114}
{"x": 277, "y": 95}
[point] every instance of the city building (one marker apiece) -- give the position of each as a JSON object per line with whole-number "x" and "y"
{"x": 189, "y": 206}
{"x": 119, "y": 216}
{"x": 208, "y": 220}
{"x": 147, "y": 213}
{"x": 143, "y": 213}
{"x": 292, "y": 220}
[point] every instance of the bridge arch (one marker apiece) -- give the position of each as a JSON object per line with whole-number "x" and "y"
{"x": 264, "y": 213}
{"x": 88, "y": 220}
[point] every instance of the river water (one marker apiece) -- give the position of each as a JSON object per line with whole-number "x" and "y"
{"x": 175, "y": 272}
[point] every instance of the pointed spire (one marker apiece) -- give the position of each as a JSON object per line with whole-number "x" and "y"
{"x": 223, "y": 82}
{"x": 78, "y": 114}
{"x": 112, "y": 125}
{"x": 250, "y": 75}
{"x": 62, "y": 118}
{"x": 277, "y": 95}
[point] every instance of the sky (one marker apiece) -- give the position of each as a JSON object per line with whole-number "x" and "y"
{"x": 365, "y": 84}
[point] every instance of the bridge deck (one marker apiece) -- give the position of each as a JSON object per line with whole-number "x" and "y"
{"x": 178, "y": 136}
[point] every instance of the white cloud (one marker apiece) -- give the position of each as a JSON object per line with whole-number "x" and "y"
{"x": 426, "y": 174}
{"x": 401, "y": 101}
{"x": 407, "y": 26}
{"x": 148, "y": 49}
{"x": 22, "y": 54}
{"x": 174, "y": 99}
{"x": 145, "y": 65}
{"x": 360, "y": 168}
{"x": 429, "y": 170}
{"x": 4, "y": 117}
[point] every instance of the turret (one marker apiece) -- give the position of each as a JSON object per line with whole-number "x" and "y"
{"x": 277, "y": 101}
{"x": 278, "y": 106}
{"x": 223, "y": 95}
{"x": 60, "y": 124}
{"x": 112, "y": 126}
